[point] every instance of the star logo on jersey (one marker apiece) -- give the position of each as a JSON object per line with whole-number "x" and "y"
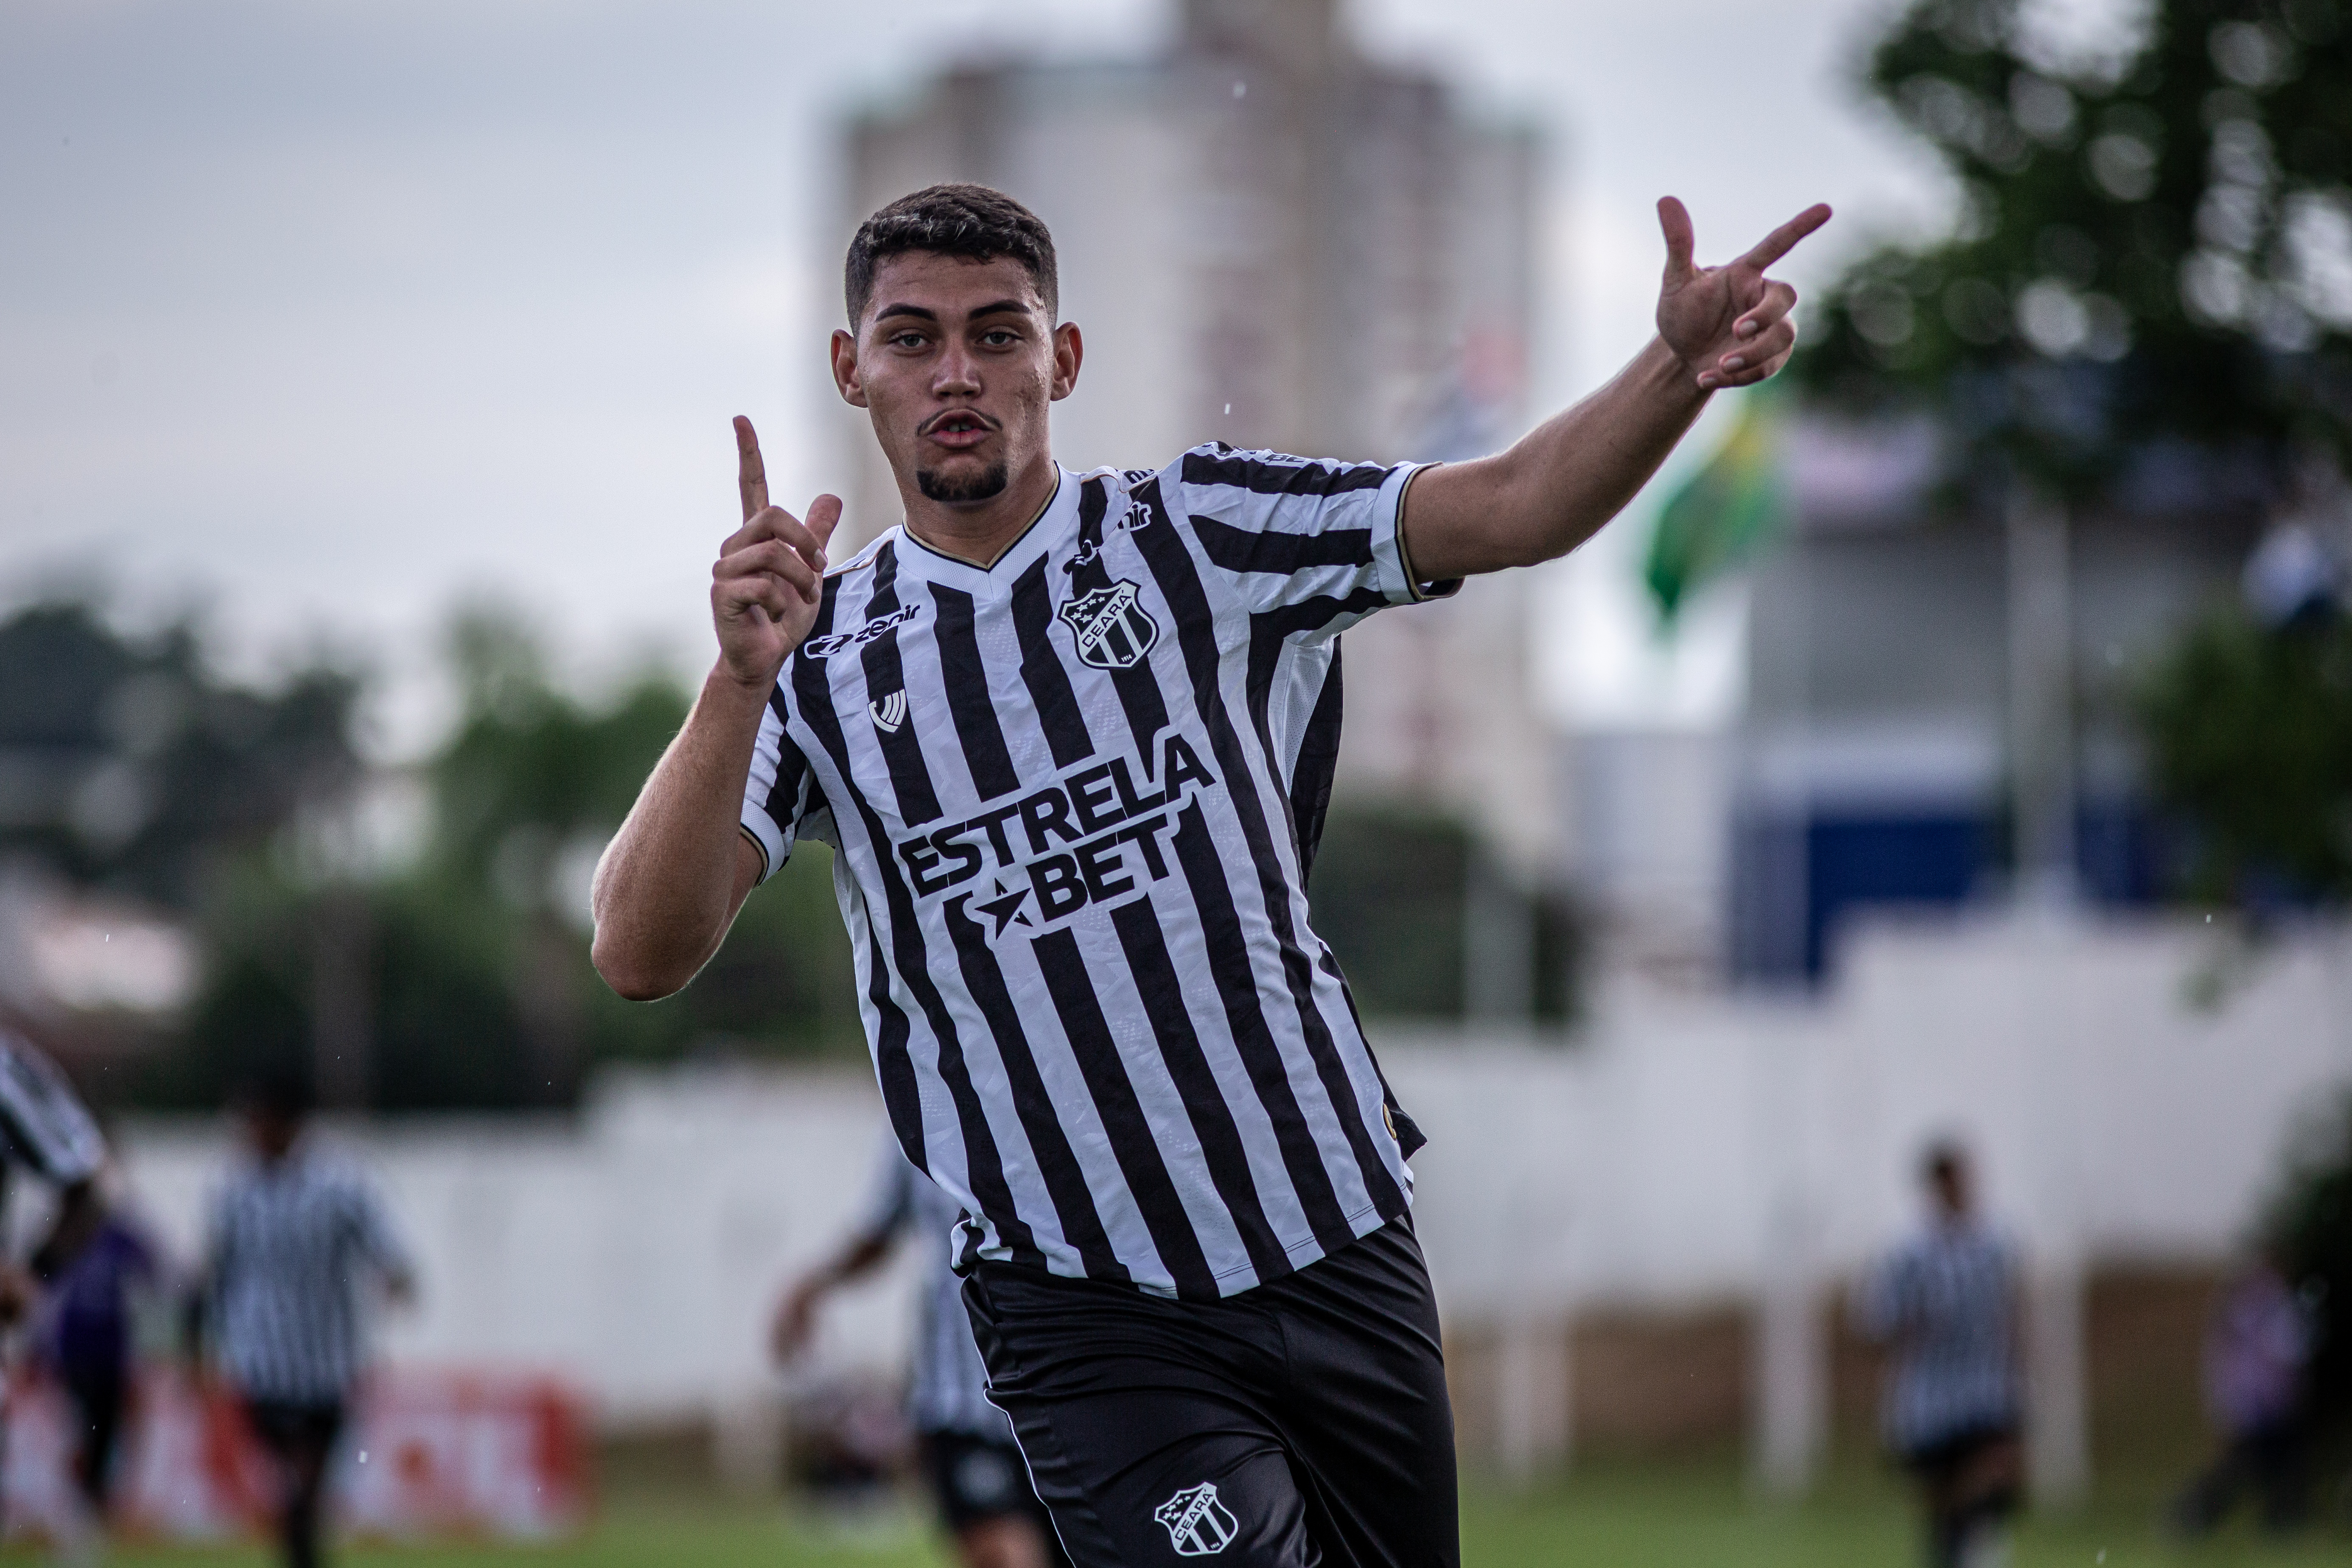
{"x": 1198, "y": 1524}
{"x": 1005, "y": 908}
{"x": 1112, "y": 628}
{"x": 889, "y": 712}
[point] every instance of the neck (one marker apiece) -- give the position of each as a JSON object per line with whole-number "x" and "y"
{"x": 980, "y": 531}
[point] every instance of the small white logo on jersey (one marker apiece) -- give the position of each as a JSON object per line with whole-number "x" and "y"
{"x": 890, "y": 711}
{"x": 1198, "y": 1524}
{"x": 1114, "y": 631}
{"x": 825, "y": 648}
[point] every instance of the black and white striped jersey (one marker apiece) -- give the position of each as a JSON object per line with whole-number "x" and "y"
{"x": 44, "y": 1126}
{"x": 290, "y": 1250}
{"x": 1075, "y": 796}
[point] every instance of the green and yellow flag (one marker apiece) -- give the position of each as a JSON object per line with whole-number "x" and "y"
{"x": 1723, "y": 513}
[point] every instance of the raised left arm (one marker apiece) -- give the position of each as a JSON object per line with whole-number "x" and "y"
{"x": 1552, "y": 489}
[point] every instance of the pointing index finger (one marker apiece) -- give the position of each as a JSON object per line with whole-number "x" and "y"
{"x": 751, "y": 474}
{"x": 1783, "y": 239}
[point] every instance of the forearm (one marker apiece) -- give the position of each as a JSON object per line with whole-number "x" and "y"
{"x": 1555, "y": 487}
{"x": 671, "y": 879}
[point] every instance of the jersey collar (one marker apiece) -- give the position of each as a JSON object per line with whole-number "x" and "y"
{"x": 1056, "y": 517}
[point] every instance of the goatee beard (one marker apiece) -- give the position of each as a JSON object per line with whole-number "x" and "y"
{"x": 986, "y": 485}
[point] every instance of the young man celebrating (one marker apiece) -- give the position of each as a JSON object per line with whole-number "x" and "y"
{"x": 1072, "y": 736}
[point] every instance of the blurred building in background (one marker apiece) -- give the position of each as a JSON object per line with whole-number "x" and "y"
{"x": 1873, "y": 761}
{"x": 1877, "y": 762}
{"x": 1272, "y": 241}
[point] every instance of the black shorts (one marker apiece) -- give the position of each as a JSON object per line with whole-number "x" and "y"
{"x": 1304, "y": 1421}
{"x": 973, "y": 1478}
{"x": 1940, "y": 1460}
{"x": 293, "y": 1431}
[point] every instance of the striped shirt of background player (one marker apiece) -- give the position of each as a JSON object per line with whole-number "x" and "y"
{"x": 43, "y": 1124}
{"x": 1171, "y": 1091}
{"x": 1947, "y": 1300}
{"x": 291, "y": 1247}
{"x": 949, "y": 1389}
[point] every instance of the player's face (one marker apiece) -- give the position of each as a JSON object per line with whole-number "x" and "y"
{"x": 958, "y": 362}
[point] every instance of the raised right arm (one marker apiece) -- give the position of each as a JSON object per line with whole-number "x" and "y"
{"x": 669, "y": 883}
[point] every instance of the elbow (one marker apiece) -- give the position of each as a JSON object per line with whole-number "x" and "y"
{"x": 634, "y": 976}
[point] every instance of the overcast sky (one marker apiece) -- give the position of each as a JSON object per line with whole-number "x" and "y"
{"x": 323, "y": 316}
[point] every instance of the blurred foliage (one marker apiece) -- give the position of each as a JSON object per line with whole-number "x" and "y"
{"x": 2153, "y": 247}
{"x": 129, "y": 763}
{"x": 1389, "y": 893}
{"x": 461, "y": 976}
{"x": 2249, "y": 729}
{"x": 2308, "y": 1233}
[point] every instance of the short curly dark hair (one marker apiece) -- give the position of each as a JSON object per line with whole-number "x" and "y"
{"x": 970, "y": 221}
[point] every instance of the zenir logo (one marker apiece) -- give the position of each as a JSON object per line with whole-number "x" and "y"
{"x": 890, "y": 711}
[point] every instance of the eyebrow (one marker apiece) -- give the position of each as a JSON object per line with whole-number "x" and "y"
{"x": 923, "y": 313}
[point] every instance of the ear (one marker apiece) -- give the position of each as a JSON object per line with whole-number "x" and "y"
{"x": 845, "y": 370}
{"x": 1069, "y": 352}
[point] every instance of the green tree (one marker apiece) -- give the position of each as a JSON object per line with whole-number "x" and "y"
{"x": 2153, "y": 247}
{"x": 461, "y": 979}
{"x": 2250, "y": 741}
{"x": 130, "y": 763}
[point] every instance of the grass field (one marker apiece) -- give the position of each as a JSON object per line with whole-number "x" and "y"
{"x": 1656, "y": 1516}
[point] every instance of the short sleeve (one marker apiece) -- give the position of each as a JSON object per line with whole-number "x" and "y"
{"x": 44, "y": 1123}
{"x": 776, "y": 793}
{"x": 1298, "y": 532}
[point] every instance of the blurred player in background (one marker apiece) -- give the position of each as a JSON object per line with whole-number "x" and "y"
{"x": 96, "y": 1266}
{"x": 974, "y": 1469}
{"x": 1946, "y": 1304}
{"x": 46, "y": 1130}
{"x": 2257, "y": 1352}
{"x": 296, "y": 1240}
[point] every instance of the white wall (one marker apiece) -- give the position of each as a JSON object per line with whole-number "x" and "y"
{"x": 637, "y": 1249}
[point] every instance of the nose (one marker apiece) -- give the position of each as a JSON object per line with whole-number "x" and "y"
{"x": 958, "y": 372}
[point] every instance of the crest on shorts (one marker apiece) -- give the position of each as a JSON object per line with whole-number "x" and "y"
{"x": 1198, "y": 1524}
{"x": 1114, "y": 631}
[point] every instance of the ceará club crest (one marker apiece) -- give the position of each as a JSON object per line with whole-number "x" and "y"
{"x": 1113, "y": 629}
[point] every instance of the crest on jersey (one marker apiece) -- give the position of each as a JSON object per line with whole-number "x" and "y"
{"x": 890, "y": 711}
{"x": 1198, "y": 1524}
{"x": 1114, "y": 631}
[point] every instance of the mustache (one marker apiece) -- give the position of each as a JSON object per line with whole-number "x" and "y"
{"x": 936, "y": 420}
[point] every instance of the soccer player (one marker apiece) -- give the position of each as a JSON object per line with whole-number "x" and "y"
{"x": 296, "y": 1236}
{"x": 1072, "y": 736}
{"x": 1946, "y": 1302}
{"x": 46, "y": 1130}
{"x": 976, "y": 1473}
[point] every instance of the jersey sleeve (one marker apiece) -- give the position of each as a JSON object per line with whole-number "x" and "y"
{"x": 778, "y": 793}
{"x": 44, "y": 1122}
{"x": 1300, "y": 533}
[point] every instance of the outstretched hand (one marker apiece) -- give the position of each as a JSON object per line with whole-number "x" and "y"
{"x": 1729, "y": 325}
{"x": 770, "y": 576}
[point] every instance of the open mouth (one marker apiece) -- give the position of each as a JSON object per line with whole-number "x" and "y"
{"x": 958, "y": 428}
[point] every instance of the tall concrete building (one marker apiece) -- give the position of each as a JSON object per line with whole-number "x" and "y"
{"x": 1269, "y": 240}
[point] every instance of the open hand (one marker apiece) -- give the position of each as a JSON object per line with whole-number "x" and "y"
{"x": 1729, "y": 325}
{"x": 770, "y": 576}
